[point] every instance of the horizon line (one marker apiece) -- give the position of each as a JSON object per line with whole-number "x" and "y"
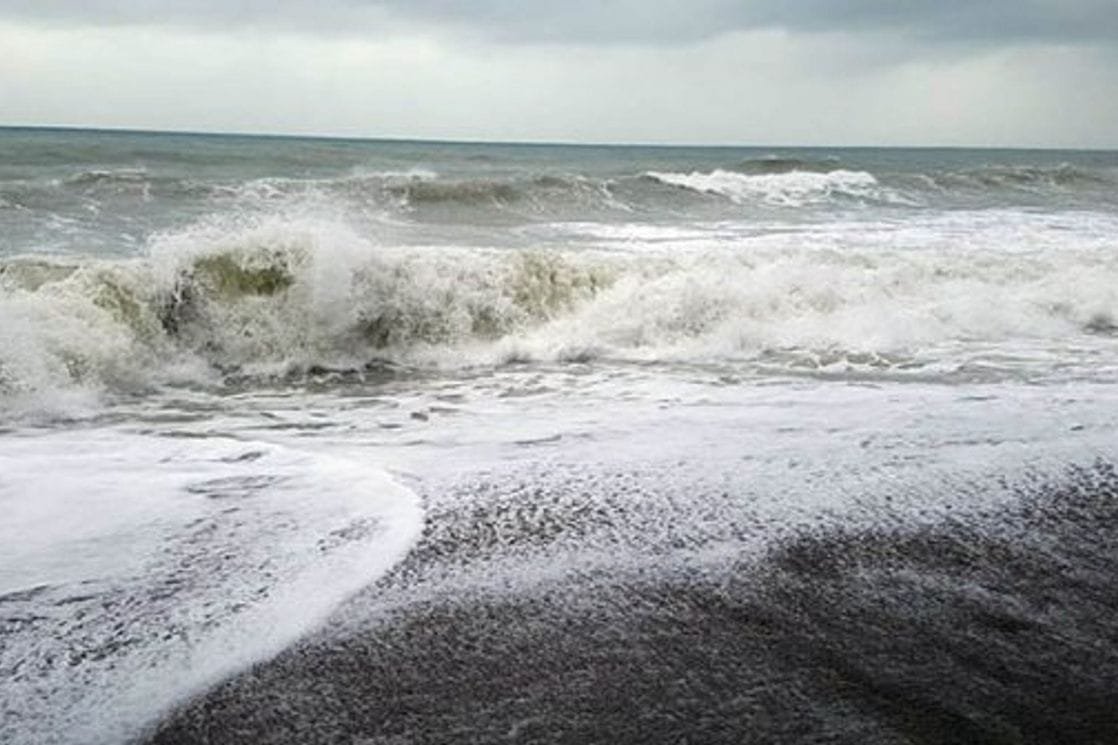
{"x": 523, "y": 143}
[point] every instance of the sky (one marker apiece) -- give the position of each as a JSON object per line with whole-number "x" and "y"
{"x": 1030, "y": 73}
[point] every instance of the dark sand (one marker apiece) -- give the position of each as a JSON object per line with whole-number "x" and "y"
{"x": 993, "y": 627}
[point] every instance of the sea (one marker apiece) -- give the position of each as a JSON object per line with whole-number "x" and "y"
{"x": 310, "y": 440}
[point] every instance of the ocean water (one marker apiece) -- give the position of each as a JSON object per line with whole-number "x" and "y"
{"x": 313, "y": 440}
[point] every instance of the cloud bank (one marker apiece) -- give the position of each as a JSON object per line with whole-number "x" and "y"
{"x": 866, "y": 72}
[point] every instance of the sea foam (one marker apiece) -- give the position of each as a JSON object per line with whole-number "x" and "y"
{"x": 146, "y": 568}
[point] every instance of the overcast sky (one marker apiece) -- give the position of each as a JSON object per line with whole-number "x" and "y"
{"x": 768, "y": 72}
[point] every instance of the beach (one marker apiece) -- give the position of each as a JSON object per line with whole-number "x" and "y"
{"x": 321, "y": 440}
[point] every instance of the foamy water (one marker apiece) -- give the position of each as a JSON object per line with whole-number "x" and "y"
{"x": 137, "y": 569}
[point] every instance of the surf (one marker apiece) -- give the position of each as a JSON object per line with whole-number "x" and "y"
{"x": 277, "y": 296}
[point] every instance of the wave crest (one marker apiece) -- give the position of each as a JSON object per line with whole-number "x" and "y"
{"x": 777, "y": 164}
{"x": 1063, "y": 177}
{"x": 278, "y": 297}
{"x": 786, "y": 188}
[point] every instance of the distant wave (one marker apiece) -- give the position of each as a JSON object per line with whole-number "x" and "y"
{"x": 466, "y": 192}
{"x": 420, "y": 193}
{"x": 787, "y": 164}
{"x": 130, "y": 181}
{"x": 281, "y": 297}
{"x": 421, "y": 190}
{"x": 789, "y": 188}
{"x": 107, "y": 176}
{"x": 541, "y": 193}
{"x": 110, "y": 183}
{"x": 1063, "y": 176}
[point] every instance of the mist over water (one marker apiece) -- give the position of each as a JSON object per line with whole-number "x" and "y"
{"x": 315, "y": 415}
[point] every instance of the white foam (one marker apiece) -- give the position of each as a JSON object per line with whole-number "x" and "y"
{"x": 1032, "y": 288}
{"x": 821, "y": 300}
{"x": 794, "y": 189}
{"x": 416, "y": 173}
{"x": 165, "y": 563}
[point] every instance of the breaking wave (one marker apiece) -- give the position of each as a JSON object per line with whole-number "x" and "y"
{"x": 281, "y": 298}
{"x": 782, "y": 187}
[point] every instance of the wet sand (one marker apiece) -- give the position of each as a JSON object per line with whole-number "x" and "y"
{"x": 999, "y": 626}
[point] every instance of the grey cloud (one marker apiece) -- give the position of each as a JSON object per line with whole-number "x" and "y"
{"x": 1012, "y": 20}
{"x": 681, "y": 20}
{"x": 606, "y": 21}
{"x": 200, "y": 13}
